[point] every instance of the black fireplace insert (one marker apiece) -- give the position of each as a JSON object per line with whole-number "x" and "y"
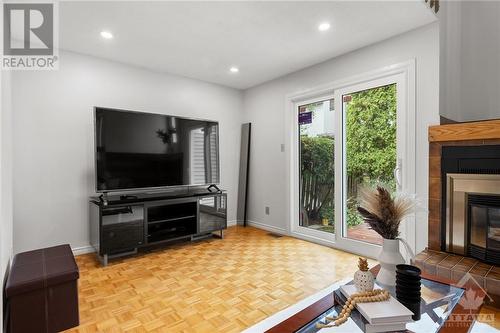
{"x": 483, "y": 214}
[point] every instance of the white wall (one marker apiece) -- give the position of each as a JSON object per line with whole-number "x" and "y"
{"x": 53, "y": 138}
{"x": 265, "y": 105}
{"x": 470, "y": 60}
{"x": 5, "y": 179}
{"x": 53, "y": 134}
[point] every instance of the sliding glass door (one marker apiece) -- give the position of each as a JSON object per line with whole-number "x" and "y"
{"x": 359, "y": 133}
{"x": 352, "y": 138}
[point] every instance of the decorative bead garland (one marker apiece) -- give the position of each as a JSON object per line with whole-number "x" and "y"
{"x": 377, "y": 295}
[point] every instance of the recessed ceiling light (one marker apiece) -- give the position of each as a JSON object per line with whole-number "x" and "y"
{"x": 324, "y": 26}
{"x": 106, "y": 34}
{"x": 234, "y": 69}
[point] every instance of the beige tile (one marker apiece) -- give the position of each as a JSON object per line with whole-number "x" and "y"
{"x": 445, "y": 267}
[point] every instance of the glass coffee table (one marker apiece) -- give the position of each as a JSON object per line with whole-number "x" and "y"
{"x": 445, "y": 308}
{"x": 437, "y": 303}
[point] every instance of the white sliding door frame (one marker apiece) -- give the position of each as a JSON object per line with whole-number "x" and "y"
{"x": 405, "y": 74}
{"x": 403, "y": 160}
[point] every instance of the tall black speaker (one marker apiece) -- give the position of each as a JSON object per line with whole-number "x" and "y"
{"x": 241, "y": 213}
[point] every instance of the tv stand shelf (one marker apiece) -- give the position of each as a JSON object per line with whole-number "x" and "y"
{"x": 172, "y": 219}
{"x": 119, "y": 227}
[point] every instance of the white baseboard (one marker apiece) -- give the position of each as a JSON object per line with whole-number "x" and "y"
{"x": 308, "y": 238}
{"x": 232, "y": 223}
{"x": 267, "y": 227}
{"x": 83, "y": 250}
{"x": 313, "y": 239}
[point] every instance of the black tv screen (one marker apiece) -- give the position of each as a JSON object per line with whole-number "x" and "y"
{"x": 137, "y": 150}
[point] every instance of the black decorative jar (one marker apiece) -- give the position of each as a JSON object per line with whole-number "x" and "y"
{"x": 408, "y": 288}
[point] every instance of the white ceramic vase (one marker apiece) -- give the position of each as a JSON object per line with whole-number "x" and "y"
{"x": 388, "y": 258}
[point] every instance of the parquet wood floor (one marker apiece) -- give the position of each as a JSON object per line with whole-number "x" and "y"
{"x": 208, "y": 286}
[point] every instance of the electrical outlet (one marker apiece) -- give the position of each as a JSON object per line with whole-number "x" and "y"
{"x": 282, "y": 147}
{"x": 267, "y": 210}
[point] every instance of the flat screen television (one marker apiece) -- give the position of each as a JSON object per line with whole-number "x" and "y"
{"x": 138, "y": 150}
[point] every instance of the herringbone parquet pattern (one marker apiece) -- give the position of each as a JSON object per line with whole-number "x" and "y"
{"x": 209, "y": 286}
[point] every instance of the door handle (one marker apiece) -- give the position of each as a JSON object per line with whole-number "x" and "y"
{"x": 397, "y": 174}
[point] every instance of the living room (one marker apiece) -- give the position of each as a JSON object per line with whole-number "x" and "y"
{"x": 222, "y": 166}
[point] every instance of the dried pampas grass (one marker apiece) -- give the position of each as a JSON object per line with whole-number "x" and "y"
{"x": 384, "y": 212}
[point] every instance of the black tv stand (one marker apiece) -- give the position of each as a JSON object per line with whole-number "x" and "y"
{"x": 121, "y": 225}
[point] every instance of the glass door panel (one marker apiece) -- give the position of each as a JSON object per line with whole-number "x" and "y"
{"x": 316, "y": 166}
{"x": 370, "y": 148}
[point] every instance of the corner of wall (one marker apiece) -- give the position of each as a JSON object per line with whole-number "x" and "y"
{"x": 6, "y": 248}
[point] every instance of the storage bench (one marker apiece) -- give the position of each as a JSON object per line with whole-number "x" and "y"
{"x": 42, "y": 291}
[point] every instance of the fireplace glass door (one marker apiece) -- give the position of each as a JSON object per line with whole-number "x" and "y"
{"x": 493, "y": 242}
{"x": 478, "y": 225}
{"x": 484, "y": 227}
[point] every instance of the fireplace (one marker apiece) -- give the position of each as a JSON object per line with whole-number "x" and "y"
{"x": 471, "y": 197}
{"x": 464, "y": 204}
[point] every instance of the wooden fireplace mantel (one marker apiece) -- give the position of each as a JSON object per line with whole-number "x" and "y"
{"x": 477, "y": 130}
{"x": 460, "y": 134}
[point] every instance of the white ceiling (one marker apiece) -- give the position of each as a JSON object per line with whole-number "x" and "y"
{"x": 203, "y": 40}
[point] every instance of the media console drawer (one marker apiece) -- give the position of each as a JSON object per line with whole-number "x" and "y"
{"x": 122, "y": 236}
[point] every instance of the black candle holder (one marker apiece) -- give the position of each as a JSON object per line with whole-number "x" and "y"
{"x": 408, "y": 288}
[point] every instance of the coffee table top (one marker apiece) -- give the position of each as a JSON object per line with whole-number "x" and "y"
{"x": 446, "y": 309}
{"x": 437, "y": 302}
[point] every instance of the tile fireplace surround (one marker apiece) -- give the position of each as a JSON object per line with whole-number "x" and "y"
{"x": 437, "y": 259}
